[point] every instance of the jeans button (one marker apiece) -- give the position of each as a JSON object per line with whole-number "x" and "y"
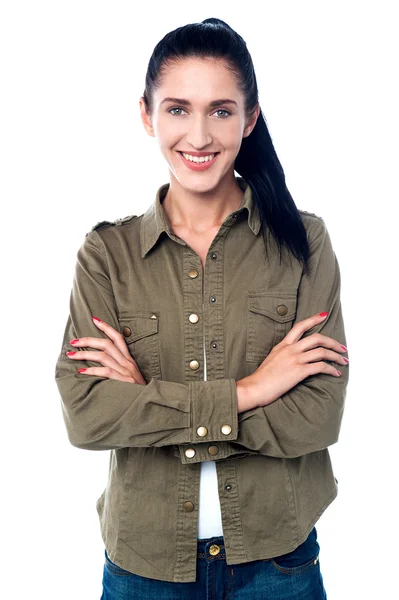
{"x": 214, "y": 549}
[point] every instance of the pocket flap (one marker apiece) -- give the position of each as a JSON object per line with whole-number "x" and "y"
{"x": 137, "y": 326}
{"x": 279, "y": 306}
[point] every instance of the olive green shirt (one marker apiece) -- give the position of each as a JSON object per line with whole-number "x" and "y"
{"x": 274, "y": 472}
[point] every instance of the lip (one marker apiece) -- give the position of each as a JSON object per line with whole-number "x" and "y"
{"x": 199, "y": 166}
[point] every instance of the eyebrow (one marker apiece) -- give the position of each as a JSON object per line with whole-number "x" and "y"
{"x": 212, "y": 104}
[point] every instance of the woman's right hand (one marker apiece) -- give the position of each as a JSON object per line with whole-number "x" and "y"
{"x": 288, "y": 363}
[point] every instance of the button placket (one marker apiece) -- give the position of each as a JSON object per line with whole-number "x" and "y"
{"x": 212, "y": 317}
{"x": 213, "y": 306}
{"x": 192, "y": 297}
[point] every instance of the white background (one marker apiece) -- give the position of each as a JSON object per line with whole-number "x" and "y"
{"x": 74, "y": 152}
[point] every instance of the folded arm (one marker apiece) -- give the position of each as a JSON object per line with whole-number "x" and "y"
{"x": 308, "y": 417}
{"x": 104, "y": 414}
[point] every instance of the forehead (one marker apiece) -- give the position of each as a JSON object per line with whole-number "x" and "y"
{"x": 194, "y": 78}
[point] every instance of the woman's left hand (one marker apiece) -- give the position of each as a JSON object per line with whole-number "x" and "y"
{"x": 114, "y": 355}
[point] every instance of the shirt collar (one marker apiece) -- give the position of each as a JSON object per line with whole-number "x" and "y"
{"x": 155, "y": 219}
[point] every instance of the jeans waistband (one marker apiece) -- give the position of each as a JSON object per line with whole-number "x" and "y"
{"x": 211, "y": 548}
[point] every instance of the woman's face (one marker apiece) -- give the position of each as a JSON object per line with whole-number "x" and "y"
{"x": 195, "y": 125}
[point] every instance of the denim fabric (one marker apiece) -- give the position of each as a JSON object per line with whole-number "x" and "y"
{"x": 292, "y": 576}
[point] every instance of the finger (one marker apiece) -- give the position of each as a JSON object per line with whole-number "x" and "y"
{"x": 103, "y": 358}
{"x": 318, "y": 339}
{"x": 297, "y": 330}
{"x": 114, "y": 335}
{"x": 107, "y": 345}
{"x": 322, "y": 354}
{"x": 321, "y": 367}
{"x": 108, "y": 373}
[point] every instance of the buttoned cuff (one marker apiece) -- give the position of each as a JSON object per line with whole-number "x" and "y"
{"x": 205, "y": 451}
{"x": 214, "y": 412}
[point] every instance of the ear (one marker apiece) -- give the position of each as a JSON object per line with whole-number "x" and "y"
{"x": 146, "y": 119}
{"x": 251, "y": 122}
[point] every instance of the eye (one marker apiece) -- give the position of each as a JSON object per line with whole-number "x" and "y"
{"x": 175, "y": 108}
{"x": 222, "y": 110}
{"x": 219, "y": 110}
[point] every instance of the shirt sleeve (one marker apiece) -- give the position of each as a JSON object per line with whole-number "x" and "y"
{"x": 105, "y": 414}
{"x": 307, "y": 418}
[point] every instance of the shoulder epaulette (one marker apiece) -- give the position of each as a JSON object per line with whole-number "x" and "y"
{"x": 116, "y": 222}
{"x": 124, "y": 220}
{"x": 311, "y": 214}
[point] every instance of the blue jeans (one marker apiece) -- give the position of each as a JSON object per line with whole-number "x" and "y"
{"x": 292, "y": 576}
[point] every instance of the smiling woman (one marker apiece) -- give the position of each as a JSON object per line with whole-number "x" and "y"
{"x": 207, "y": 119}
{"x": 209, "y": 369}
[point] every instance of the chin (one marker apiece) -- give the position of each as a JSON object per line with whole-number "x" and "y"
{"x": 195, "y": 184}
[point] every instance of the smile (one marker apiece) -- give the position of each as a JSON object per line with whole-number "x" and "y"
{"x": 199, "y": 163}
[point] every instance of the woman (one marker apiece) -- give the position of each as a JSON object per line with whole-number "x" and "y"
{"x": 211, "y": 333}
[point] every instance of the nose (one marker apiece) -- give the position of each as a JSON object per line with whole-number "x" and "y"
{"x": 198, "y": 135}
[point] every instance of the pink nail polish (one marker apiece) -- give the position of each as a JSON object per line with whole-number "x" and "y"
{"x": 73, "y": 341}
{"x": 323, "y": 314}
{"x": 81, "y": 370}
{"x": 344, "y": 347}
{"x": 96, "y": 319}
{"x": 70, "y": 353}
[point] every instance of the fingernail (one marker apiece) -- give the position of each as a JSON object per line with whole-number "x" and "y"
{"x": 344, "y": 347}
{"x": 81, "y": 370}
{"x": 96, "y": 319}
{"x": 73, "y": 341}
{"x": 347, "y": 359}
{"x": 70, "y": 353}
{"x": 323, "y": 314}
{"x": 339, "y": 372}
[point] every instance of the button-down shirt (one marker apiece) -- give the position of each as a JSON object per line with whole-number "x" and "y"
{"x": 274, "y": 472}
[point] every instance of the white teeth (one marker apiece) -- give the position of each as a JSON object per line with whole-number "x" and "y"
{"x": 197, "y": 159}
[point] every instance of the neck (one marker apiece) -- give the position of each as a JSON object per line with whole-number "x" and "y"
{"x": 200, "y": 212}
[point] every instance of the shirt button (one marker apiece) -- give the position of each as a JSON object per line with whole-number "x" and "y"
{"x": 202, "y": 431}
{"x": 194, "y": 365}
{"x": 193, "y": 273}
{"x": 213, "y": 298}
{"x": 193, "y": 318}
{"x": 214, "y": 256}
{"x": 282, "y": 309}
{"x": 188, "y": 506}
{"x": 126, "y": 331}
{"x": 226, "y": 429}
{"x": 190, "y": 452}
{"x": 214, "y": 549}
{"x": 227, "y": 487}
{"x": 214, "y": 345}
{"x": 213, "y": 450}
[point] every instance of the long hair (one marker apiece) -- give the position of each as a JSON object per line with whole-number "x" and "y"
{"x": 256, "y": 162}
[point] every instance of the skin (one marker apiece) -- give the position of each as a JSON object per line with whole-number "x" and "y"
{"x": 196, "y": 205}
{"x": 198, "y": 202}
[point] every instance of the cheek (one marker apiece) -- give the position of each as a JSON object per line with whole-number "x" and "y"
{"x": 230, "y": 137}
{"x": 165, "y": 130}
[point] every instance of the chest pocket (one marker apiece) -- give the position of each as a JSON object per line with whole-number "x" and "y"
{"x": 141, "y": 334}
{"x": 270, "y": 316}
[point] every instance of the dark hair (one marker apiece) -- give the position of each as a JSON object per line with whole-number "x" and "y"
{"x": 257, "y": 162}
